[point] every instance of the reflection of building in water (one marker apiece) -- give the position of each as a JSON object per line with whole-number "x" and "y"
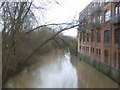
{"x": 99, "y": 32}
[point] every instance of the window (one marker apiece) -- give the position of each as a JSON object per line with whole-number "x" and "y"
{"x": 88, "y": 11}
{"x": 93, "y": 50}
{"x": 87, "y": 49}
{"x": 80, "y": 37}
{"x": 101, "y": 1}
{"x": 92, "y": 37}
{"x": 98, "y": 37}
{"x": 117, "y": 9}
{"x": 99, "y": 52}
{"x": 93, "y": 4}
{"x": 93, "y": 19}
{"x": 119, "y": 60}
{"x": 117, "y": 36}
{"x": 83, "y": 37}
{"x": 100, "y": 19}
{"x": 106, "y": 56}
{"x": 107, "y": 15}
{"x": 80, "y": 46}
{"x": 107, "y": 0}
{"x": 87, "y": 37}
{"x": 115, "y": 59}
{"x": 106, "y": 36}
{"x": 84, "y": 48}
{"x": 98, "y": 2}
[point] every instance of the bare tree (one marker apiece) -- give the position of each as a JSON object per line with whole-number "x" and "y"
{"x": 18, "y": 23}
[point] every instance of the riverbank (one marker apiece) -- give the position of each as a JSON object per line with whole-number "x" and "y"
{"x": 90, "y": 77}
{"x": 104, "y": 68}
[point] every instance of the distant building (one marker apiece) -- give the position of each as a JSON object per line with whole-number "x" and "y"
{"x": 99, "y": 32}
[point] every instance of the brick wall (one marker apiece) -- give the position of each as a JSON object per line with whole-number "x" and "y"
{"x": 98, "y": 50}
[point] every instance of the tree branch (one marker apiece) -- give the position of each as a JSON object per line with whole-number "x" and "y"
{"x": 46, "y": 41}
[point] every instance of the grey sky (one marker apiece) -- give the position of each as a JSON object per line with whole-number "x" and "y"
{"x": 65, "y": 12}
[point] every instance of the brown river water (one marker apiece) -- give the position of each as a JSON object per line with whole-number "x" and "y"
{"x": 57, "y": 70}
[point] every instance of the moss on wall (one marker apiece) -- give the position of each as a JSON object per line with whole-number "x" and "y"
{"x": 106, "y": 69}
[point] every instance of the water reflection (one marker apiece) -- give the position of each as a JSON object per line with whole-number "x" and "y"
{"x": 89, "y": 77}
{"x": 55, "y": 71}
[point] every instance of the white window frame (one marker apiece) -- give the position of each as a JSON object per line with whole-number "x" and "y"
{"x": 117, "y": 9}
{"x": 107, "y": 15}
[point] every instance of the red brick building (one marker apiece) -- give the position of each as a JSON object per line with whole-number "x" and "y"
{"x": 99, "y": 32}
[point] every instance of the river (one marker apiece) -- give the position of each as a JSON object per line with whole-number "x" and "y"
{"x": 57, "y": 70}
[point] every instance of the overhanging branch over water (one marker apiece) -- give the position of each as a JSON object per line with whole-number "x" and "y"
{"x": 46, "y": 41}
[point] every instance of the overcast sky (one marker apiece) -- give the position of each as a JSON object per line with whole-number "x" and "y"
{"x": 65, "y": 12}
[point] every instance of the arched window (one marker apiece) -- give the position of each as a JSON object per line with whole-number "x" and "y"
{"x": 106, "y": 56}
{"x": 106, "y": 36}
{"x": 88, "y": 37}
{"x": 118, "y": 60}
{"x": 115, "y": 59}
{"x": 92, "y": 37}
{"x": 117, "y": 36}
{"x": 107, "y": 15}
{"x": 98, "y": 37}
{"x": 117, "y": 9}
{"x": 81, "y": 36}
{"x": 99, "y": 18}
